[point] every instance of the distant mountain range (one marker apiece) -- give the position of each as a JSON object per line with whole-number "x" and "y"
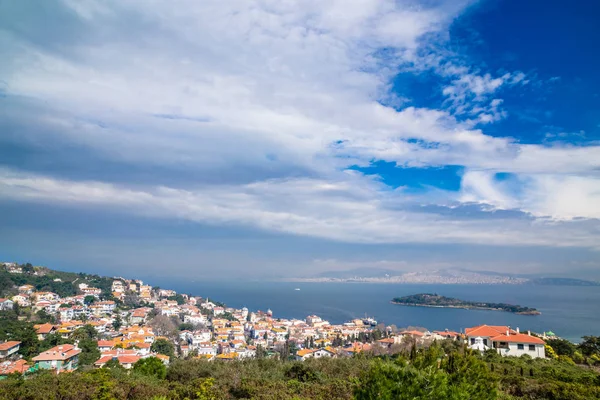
{"x": 444, "y": 276}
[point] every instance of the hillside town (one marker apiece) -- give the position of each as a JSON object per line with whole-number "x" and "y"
{"x": 132, "y": 321}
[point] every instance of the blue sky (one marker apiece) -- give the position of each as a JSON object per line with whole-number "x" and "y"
{"x": 267, "y": 138}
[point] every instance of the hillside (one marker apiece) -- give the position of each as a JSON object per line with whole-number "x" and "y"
{"x": 45, "y": 279}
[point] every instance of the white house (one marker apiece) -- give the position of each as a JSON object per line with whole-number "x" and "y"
{"x": 201, "y": 336}
{"x": 21, "y": 300}
{"x": 505, "y": 341}
{"x": 26, "y": 289}
{"x": 195, "y": 319}
{"x": 66, "y": 314}
{"x": 117, "y": 286}
{"x": 206, "y": 349}
{"x": 7, "y": 349}
{"x": 218, "y": 311}
{"x": 6, "y": 304}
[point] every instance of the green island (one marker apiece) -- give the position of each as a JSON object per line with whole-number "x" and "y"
{"x": 435, "y": 300}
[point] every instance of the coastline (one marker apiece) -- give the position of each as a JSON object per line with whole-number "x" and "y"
{"x": 465, "y": 307}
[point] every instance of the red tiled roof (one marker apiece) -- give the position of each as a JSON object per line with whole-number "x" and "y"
{"x": 44, "y": 328}
{"x": 413, "y": 333}
{"x": 304, "y": 352}
{"x": 9, "y": 345}
{"x": 119, "y": 353}
{"x": 105, "y": 343}
{"x": 488, "y": 330}
{"x": 122, "y": 358}
{"x": 518, "y": 338}
{"x": 9, "y": 367}
{"x": 62, "y": 352}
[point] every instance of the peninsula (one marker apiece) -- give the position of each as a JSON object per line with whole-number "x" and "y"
{"x": 435, "y": 300}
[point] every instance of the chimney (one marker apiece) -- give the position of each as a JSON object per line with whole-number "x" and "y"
{"x": 518, "y": 329}
{"x": 507, "y": 332}
{"x": 529, "y": 333}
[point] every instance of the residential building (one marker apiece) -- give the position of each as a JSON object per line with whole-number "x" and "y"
{"x": 91, "y": 291}
{"x": 506, "y": 341}
{"x": 6, "y": 304}
{"x": 218, "y": 311}
{"x": 126, "y": 360}
{"x": 117, "y": 286}
{"x": 14, "y": 269}
{"x": 59, "y": 358}
{"x": 11, "y": 367}
{"x": 7, "y": 349}
{"x": 44, "y": 330}
{"x": 196, "y": 319}
{"x": 22, "y": 300}
{"x": 105, "y": 345}
{"x": 26, "y": 289}
{"x": 45, "y": 296}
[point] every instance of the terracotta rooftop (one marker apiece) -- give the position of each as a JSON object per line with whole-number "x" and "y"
{"x": 122, "y": 358}
{"x": 9, "y": 367}
{"x": 518, "y": 338}
{"x": 488, "y": 330}
{"x": 44, "y": 328}
{"x": 9, "y": 345}
{"x": 58, "y": 353}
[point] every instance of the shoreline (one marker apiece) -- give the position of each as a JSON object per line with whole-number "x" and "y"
{"x": 466, "y": 308}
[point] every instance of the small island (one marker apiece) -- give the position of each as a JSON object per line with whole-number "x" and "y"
{"x": 435, "y": 300}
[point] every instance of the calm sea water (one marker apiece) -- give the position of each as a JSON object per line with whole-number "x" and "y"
{"x": 569, "y": 311}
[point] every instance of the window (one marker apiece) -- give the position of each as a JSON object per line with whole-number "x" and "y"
{"x": 532, "y": 347}
{"x": 472, "y": 340}
{"x": 485, "y": 342}
{"x": 520, "y": 346}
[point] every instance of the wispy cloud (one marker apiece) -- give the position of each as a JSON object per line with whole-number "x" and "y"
{"x": 273, "y": 101}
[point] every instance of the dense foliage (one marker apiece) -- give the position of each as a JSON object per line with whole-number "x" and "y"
{"x": 427, "y": 374}
{"x": 44, "y": 279}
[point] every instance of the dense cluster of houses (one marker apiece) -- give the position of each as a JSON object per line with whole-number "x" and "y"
{"x": 212, "y": 331}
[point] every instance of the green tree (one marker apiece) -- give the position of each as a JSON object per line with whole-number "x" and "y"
{"x": 590, "y": 345}
{"x": 562, "y": 347}
{"x": 89, "y": 299}
{"x": 52, "y": 340}
{"x": 13, "y": 329}
{"x": 207, "y": 390}
{"x": 163, "y": 346}
{"x": 85, "y": 332}
{"x": 150, "y": 366}
{"x": 43, "y": 317}
{"x": 429, "y": 376}
{"x": 186, "y": 326}
{"x": 228, "y": 316}
{"x": 113, "y": 364}
{"x": 89, "y": 352}
{"x": 117, "y": 323}
{"x": 178, "y": 298}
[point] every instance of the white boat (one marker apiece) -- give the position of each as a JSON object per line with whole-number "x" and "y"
{"x": 297, "y": 288}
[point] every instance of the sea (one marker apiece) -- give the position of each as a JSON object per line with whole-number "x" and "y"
{"x": 569, "y": 311}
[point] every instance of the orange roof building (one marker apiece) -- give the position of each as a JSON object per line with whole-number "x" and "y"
{"x": 11, "y": 367}
{"x": 59, "y": 358}
{"x": 7, "y": 349}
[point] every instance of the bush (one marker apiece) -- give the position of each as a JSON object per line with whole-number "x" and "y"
{"x": 151, "y": 366}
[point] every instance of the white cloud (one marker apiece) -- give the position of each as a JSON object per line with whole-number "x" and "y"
{"x": 289, "y": 89}
{"x": 351, "y": 209}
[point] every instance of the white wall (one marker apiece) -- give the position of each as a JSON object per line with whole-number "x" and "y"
{"x": 513, "y": 350}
